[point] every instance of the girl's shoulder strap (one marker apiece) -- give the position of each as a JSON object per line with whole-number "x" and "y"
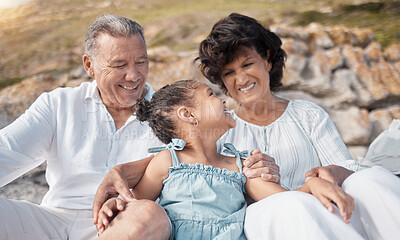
{"x": 230, "y": 149}
{"x": 175, "y": 144}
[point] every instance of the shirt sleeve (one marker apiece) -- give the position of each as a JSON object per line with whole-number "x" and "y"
{"x": 24, "y": 144}
{"x": 328, "y": 143}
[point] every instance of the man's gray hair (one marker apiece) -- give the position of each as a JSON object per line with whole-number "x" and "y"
{"x": 115, "y": 26}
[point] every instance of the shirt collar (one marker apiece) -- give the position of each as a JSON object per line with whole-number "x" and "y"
{"x": 93, "y": 92}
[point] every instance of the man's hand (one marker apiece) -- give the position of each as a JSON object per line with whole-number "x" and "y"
{"x": 108, "y": 211}
{"x": 332, "y": 173}
{"x": 118, "y": 182}
{"x": 261, "y": 165}
{"x": 113, "y": 184}
{"x": 328, "y": 194}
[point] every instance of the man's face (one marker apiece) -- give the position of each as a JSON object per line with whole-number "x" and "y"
{"x": 120, "y": 67}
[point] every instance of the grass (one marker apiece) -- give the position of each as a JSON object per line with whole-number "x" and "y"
{"x": 53, "y": 31}
{"x": 382, "y": 17}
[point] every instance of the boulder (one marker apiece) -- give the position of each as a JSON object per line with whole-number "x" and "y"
{"x": 353, "y": 125}
{"x": 392, "y": 52}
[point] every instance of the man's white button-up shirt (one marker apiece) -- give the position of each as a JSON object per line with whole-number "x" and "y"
{"x": 71, "y": 129}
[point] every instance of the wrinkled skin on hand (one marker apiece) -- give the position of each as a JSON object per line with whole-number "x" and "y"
{"x": 261, "y": 165}
{"x": 332, "y": 173}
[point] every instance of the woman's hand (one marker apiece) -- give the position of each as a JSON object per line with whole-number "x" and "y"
{"x": 329, "y": 193}
{"x": 332, "y": 173}
{"x": 108, "y": 212}
{"x": 261, "y": 165}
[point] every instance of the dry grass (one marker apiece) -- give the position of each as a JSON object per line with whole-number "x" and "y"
{"x": 48, "y": 35}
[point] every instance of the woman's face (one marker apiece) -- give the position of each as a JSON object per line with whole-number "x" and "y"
{"x": 211, "y": 111}
{"x": 247, "y": 77}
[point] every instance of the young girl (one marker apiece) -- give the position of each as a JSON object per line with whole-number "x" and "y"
{"x": 200, "y": 189}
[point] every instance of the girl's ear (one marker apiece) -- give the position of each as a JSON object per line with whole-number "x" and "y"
{"x": 186, "y": 115}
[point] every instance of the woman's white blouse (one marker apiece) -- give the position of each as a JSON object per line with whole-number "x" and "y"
{"x": 302, "y": 138}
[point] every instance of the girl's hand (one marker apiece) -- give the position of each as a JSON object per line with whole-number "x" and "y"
{"x": 108, "y": 212}
{"x": 327, "y": 193}
{"x": 261, "y": 165}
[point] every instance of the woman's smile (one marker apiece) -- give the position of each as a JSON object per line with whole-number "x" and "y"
{"x": 247, "y": 88}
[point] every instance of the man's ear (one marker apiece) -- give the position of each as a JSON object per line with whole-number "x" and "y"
{"x": 88, "y": 65}
{"x": 186, "y": 115}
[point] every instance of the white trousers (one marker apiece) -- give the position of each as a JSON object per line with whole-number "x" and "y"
{"x": 297, "y": 215}
{"x": 21, "y": 220}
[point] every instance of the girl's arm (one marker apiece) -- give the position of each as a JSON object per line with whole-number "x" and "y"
{"x": 259, "y": 189}
{"x": 149, "y": 187}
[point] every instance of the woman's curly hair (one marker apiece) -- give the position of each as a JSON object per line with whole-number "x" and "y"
{"x": 227, "y": 35}
{"x": 158, "y": 111}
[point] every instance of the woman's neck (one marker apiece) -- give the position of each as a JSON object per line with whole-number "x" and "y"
{"x": 263, "y": 112}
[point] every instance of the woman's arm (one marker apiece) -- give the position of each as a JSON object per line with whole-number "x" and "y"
{"x": 149, "y": 187}
{"x": 332, "y": 152}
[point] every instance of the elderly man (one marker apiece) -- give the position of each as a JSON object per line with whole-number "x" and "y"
{"x": 83, "y": 133}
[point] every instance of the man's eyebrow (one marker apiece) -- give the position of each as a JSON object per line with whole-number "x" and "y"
{"x": 143, "y": 57}
{"x": 118, "y": 61}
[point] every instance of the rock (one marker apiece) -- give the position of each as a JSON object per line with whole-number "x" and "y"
{"x": 161, "y": 54}
{"x": 392, "y": 52}
{"x": 353, "y": 125}
{"x": 317, "y": 72}
{"x": 292, "y": 73}
{"x": 78, "y": 73}
{"x": 382, "y": 118}
{"x": 285, "y": 31}
{"x": 387, "y": 74}
{"x": 15, "y": 99}
{"x": 319, "y": 37}
{"x": 357, "y": 152}
{"x": 355, "y": 60}
{"x": 31, "y": 186}
{"x": 341, "y": 35}
{"x": 374, "y": 52}
{"x": 293, "y": 46}
{"x": 344, "y": 83}
{"x": 176, "y": 68}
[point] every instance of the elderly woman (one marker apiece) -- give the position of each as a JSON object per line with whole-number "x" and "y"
{"x": 246, "y": 61}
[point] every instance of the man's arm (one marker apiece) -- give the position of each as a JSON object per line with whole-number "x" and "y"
{"x": 118, "y": 181}
{"x": 149, "y": 187}
{"x": 24, "y": 143}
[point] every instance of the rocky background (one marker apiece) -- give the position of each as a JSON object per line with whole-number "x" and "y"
{"x": 353, "y": 72}
{"x": 343, "y": 70}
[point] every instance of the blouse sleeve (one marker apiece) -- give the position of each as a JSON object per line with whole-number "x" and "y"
{"x": 328, "y": 143}
{"x": 25, "y": 142}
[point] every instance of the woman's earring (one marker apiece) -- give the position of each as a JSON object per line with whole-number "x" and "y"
{"x": 196, "y": 123}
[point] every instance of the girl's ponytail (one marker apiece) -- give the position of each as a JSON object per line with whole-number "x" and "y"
{"x": 142, "y": 109}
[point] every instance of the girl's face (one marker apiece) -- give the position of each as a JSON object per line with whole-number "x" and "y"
{"x": 247, "y": 77}
{"x": 211, "y": 111}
